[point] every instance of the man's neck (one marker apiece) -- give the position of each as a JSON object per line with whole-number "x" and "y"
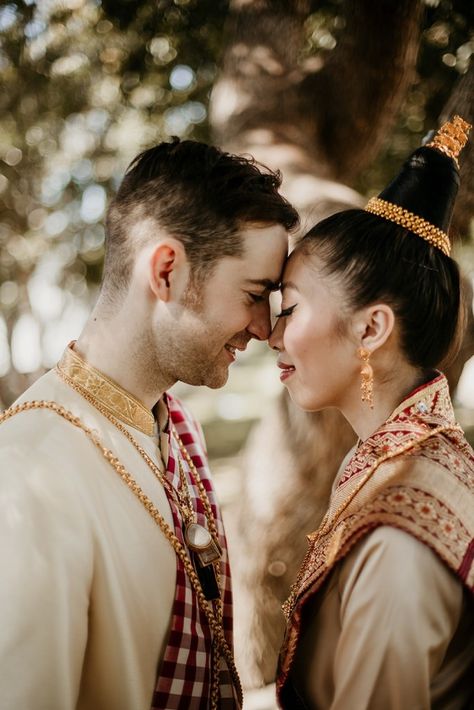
{"x": 103, "y": 345}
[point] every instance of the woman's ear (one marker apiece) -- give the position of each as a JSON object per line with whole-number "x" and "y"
{"x": 374, "y": 326}
{"x": 167, "y": 262}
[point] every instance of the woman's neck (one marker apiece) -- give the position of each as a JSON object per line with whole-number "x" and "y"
{"x": 387, "y": 395}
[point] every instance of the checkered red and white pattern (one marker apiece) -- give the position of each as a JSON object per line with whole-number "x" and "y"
{"x": 184, "y": 677}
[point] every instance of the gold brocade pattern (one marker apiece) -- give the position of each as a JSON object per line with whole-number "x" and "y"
{"x": 112, "y": 397}
{"x": 422, "y": 483}
{"x": 409, "y": 220}
{"x": 451, "y": 138}
{"x": 435, "y": 524}
{"x": 427, "y": 407}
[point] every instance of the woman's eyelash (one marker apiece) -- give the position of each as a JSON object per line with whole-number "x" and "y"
{"x": 286, "y": 312}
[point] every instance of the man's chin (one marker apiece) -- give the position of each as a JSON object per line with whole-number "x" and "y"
{"x": 217, "y": 378}
{"x": 214, "y": 380}
{"x": 216, "y": 384}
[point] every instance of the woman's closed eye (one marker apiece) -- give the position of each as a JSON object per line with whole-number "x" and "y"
{"x": 286, "y": 311}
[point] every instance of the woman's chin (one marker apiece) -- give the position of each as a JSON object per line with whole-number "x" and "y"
{"x": 305, "y": 402}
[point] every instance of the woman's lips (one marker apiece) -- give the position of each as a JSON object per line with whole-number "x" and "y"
{"x": 286, "y": 370}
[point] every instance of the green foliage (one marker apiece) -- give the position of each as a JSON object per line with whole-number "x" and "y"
{"x": 86, "y": 85}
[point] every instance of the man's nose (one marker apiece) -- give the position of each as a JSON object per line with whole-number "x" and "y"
{"x": 260, "y": 326}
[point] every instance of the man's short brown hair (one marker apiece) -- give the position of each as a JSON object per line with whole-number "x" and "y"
{"x": 199, "y": 195}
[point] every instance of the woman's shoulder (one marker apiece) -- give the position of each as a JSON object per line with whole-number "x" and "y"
{"x": 396, "y": 574}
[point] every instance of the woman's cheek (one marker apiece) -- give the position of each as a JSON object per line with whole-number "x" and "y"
{"x": 294, "y": 340}
{"x": 288, "y": 338}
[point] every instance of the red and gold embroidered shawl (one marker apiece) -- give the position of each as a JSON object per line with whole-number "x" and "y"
{"x": 425, "y": 488}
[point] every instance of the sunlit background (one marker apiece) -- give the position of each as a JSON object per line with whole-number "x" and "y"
{"x": 85, "y": 85}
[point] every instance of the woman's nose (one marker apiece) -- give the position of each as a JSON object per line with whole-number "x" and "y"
{"x": 275, "y": 339}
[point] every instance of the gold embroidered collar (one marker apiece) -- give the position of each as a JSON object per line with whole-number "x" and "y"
{"x": 425, "y": 408}
{"x": 117, "y": 401}
{"x": 431, "y": 400}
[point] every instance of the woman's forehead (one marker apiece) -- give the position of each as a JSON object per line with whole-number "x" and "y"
{"x": 294, "y": 271}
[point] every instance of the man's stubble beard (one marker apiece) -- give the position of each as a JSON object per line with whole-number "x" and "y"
{"x": 198, "y": 370}
{"x": 186, "y": 356}
{"x": 179, "y": 351}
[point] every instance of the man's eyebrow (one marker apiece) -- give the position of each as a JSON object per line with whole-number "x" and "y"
{"x": 267, "y": 283}
{"x": 288, "y": 284}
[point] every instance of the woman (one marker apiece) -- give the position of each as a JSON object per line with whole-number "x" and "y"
{"x": 381, "y": 614}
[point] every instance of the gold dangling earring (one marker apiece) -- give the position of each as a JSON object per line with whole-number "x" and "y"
{"x": 367, "y": 378}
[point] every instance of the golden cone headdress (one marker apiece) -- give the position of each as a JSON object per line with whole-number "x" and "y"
{"x": 411, "y": 200}
{"x": 451, "y": 138}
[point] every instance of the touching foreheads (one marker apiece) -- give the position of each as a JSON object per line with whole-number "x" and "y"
{"x": 196, "y": 193}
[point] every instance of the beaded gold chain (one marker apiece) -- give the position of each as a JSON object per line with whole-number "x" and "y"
{"x": 212, "y": 613}
{"x": 329, "y": 521}
{"x": 184, "y": 505}
{"x": 180, "y": 496}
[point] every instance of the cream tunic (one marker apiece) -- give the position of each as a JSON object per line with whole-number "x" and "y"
{"x": 87, "y": 577}
{"x": 392, "y": 629}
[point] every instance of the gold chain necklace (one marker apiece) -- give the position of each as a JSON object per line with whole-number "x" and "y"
{"x": 213, "y": 612}
{"x": 329, "y": 521}
{"x": 204, "y": 545}
{"x": 202, "y": 541}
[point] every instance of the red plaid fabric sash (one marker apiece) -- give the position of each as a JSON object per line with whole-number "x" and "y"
{"x": 184, "y": 677}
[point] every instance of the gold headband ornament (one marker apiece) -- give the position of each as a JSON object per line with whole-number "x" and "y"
{"x": 450, "y": 140}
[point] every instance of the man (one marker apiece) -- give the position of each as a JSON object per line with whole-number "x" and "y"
{"x": 115, "y": 588}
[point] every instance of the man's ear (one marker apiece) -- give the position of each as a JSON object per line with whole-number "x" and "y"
{"x": 167, "y": 264}
{"x": 375, "y": 325}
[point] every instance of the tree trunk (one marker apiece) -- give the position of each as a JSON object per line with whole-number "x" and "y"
{"x": 320, "y": 120}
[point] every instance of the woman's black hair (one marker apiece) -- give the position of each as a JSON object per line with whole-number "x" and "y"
{"x": 382, "y": 261}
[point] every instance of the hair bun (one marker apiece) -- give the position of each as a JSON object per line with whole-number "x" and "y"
{"x": 427, "y": 186}
{"x": 425, "y": 189}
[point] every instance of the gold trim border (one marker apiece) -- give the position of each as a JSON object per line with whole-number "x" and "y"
{"x": 419, "y": 226}
{"x": 109, "y": 394}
